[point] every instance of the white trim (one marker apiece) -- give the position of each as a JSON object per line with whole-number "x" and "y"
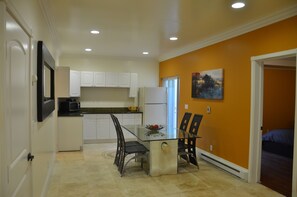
{"x": 2, "y": 93}
{"x": 294, "y": 177}
{"x": 18, "y": 17}
{"x": 45, "y": 9}
{"x": 282, "y": 63}
{"x": 224, "y": 164}
{"x": 257, "y": 114}
{"x": 255, "y": 121}
{"x": 273, "y": 18}
{"x": 276, "y": 55}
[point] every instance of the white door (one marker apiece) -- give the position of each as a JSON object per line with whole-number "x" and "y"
{"x": 17, "y": 111}
{"x": 172, "y": 85}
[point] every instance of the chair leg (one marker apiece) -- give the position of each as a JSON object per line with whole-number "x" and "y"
{"x": 121, "y": 158}
{"x": 193, "y": 160}
{"x": 117, "y": 156}
{"x": 121, "y": 166}
{"x": 185, "y": 157}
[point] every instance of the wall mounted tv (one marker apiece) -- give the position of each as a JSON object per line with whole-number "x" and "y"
{"x": 45, "y": 82}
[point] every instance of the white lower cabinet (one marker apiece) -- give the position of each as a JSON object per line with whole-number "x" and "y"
{"x": 103, "y": 126}
{"x": 100, "y": 127}
{"x": 112, "y": 130}
{"x": 70, "y": 137}
{"x": 89, "y": 127}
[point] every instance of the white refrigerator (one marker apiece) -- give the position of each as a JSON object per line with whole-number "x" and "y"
{"x": 153, "y": 104}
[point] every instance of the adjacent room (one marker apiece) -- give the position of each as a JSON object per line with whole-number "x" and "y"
{"x": 278, "y": 124}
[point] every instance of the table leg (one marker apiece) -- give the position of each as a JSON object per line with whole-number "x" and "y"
{"x": 163, "y": 160}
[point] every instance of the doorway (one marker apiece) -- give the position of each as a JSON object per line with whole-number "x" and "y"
{"x": 172, "y": 85}
{"x": 257, "y": 87}
{"x": 278, "y": 124}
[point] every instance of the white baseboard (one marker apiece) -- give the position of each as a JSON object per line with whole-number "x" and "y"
{"x": 224, "y": 164}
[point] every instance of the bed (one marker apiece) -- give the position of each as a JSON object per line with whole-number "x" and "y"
{"x": 279, "y": 141}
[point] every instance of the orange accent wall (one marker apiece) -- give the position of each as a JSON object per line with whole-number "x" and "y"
{"x": 227, "y": 126}
{"x": 279, "y": 98}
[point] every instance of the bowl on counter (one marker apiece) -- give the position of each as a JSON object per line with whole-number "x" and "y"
{"x": 154, "y": 127}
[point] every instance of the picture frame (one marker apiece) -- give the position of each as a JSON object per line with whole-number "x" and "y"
{"x": 45, "y": 82}
{"x": 208, "y": 84}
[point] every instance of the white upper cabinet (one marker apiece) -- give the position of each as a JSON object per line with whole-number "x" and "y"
{"x": 111, "y": 79}
{"x": 67, "y": 82}
{"x": 74, "y": 83}
{"x": 99, "y": 79}
{"x": 133, "y": 85}
{"x": 124, "y": 80}
{"x": 87, "y": 79}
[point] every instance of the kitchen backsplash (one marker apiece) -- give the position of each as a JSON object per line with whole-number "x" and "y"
{"x": 106, "y": 97}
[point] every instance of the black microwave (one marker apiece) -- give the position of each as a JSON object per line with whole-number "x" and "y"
{"x": 69, "y": 106}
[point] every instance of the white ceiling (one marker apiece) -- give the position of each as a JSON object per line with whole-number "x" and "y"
{"x": 129, "y": 27}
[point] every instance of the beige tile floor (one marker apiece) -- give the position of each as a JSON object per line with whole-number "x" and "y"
{"x": 91, "y": 173}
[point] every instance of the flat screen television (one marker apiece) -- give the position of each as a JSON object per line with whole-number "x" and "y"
{"x": 45, "y": 82}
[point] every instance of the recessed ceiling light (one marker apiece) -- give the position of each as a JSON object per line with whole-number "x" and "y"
{"x": 95, "y": 32}
{"x": 145, "y": 53}
{"x": 238, "y": 4}
{"x": 88, "y": 49}
{"x": 173, "y": 38}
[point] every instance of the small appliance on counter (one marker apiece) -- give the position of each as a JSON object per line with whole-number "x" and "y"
{"x": 69, "y": 105}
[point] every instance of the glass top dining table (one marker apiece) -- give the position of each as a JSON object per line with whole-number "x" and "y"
{"x": 165, "y": 133}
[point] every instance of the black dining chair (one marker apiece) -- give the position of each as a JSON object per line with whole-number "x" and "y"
{"x": 183, "y": 126}
{"x": 139, "y": 151}
{"x": 129, "y": 143}
{"x": 187, "y": 150}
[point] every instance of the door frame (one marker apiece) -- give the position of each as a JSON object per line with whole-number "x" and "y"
{"x": 8, "y": 7}
{"x": 256, "y": 116}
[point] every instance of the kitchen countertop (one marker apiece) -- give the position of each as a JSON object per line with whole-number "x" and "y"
{"x": 82, "y": 111}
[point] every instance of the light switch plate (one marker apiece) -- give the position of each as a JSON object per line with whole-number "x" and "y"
{"x": 208, "y": 109}
{"x": 186, "y": 106}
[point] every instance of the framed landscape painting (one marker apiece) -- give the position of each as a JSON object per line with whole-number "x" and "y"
{"x": 208, "y": 84}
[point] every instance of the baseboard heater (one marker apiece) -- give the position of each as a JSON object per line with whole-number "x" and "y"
{"x": 224, "y": 164}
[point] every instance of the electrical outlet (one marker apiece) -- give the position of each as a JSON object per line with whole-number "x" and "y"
{"x": 210, "y": 148}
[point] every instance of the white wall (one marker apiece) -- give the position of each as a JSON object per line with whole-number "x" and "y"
{"x": 147, "y": 70}
{"x": 43, "y": 135}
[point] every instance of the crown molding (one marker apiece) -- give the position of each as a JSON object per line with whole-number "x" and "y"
{"x": 49, "y": 21}
{"x": 10, "y": 7}
{"x": 265, "y": 21}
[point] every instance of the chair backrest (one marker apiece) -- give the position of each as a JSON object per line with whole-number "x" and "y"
{"x": 119, "y": 130}
{"x": 195, "y": 124}
{"x": 113, "y": 117}
{"x": 185, "y": 121}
